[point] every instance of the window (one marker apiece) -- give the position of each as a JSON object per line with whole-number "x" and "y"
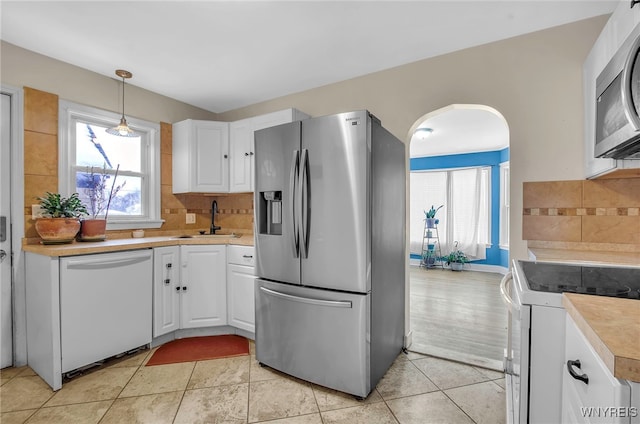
{"x": 504, "y": 205}
{"x": 465, "y": 217}
{"x": 85, "y": 147}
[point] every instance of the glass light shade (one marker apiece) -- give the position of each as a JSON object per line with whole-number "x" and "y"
{"x": 122, "y": 129}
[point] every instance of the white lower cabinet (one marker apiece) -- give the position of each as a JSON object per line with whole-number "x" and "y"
{"x": 189, "y": 287}
{"x": 590, "y": 393}
{"x": 240, "y": 287}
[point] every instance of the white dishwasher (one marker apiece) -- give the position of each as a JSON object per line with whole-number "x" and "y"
{"x": 105, "y": 305}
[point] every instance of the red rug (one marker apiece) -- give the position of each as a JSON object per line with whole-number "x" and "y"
{"x": 199, "y": 349}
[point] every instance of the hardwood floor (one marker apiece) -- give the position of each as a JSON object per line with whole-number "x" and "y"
{"x": 458, "y": 316}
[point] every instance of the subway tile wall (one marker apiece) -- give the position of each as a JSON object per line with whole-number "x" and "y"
{"x": 41, "y": 175}
{"x": 589, "y": 211}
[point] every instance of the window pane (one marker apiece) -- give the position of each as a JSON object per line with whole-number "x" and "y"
{"x": 94, "y": 147}
{"x": 94, "y": 192}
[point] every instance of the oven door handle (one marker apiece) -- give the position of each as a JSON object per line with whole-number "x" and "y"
{"x": 504, "y": 292}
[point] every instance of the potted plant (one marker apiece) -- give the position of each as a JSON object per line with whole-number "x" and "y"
{"x": 430, "y": 216}
{"x": 456, "y": 259}
{"x": 94, "y": 227}
{"x": 60, "y": 219}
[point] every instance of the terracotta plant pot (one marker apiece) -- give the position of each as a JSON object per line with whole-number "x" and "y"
{"x": 57, "y": 230}
{"x": 93, "y": 230}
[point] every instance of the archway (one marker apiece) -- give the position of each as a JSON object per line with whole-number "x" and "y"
{"x": 459, "y": 157}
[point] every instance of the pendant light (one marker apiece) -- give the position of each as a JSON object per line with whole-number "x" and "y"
{"x": 122, "y": 129}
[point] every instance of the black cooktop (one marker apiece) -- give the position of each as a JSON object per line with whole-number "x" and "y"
{"x": 596, "y": 280}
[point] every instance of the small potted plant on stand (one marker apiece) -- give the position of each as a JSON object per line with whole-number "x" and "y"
{"x": 430, "y": 216}
{"x": 95, "y": 228}
{"x": 60, "y": 219}
{"x": 456, "y": 259}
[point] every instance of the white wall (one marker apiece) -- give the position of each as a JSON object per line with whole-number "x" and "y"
{"x": 534, "y": 80}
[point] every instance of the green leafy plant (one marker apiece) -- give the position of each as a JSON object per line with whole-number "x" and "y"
{"x": 55, "y": 206}
{"x": 431, "y": 213}
{"x": 456, "y": 256}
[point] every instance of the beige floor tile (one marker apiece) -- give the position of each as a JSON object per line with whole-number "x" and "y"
{"x": 135, "y": 360}
{"x": 157, "y": 409}
{"x": 375, "y": 413}
{"x": 219, "y": 372}
{"x": 10, "y": 372}
{"x": 446, "y": 374}
{"x": 81, "y": 413}
{"x": 280, "y": 398}
{"x": 103, "y": 384}
{"x": 404, "y": 379}
{"x": 24, "y": 393}
{"x": 17, "y": 417}
{"x": 491, "y": 374}
{"x": 415, "y": 355}
{"x": 300, "y": 419}
{"x": 259, "y": 373}
{"x": 223, "y": 404}
{"x": 500, "y": 382}
{"x": 159, "y": 379}
{"x": 485, "y": 402}
{"x": 427, "y": 408}
{"x": 329, "y": 399}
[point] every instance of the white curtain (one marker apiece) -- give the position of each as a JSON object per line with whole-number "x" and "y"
{"x": 465, "y": 215}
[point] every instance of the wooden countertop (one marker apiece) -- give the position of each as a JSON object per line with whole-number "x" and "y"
{"x": 115, "y": 245}
{"x": 612, "y": 326}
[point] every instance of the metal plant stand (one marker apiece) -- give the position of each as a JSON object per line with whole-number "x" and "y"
{"x": 431, "y": 254}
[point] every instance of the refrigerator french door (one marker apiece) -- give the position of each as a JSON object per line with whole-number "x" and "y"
{"x": 313, "y": 186}
{"x": 330, "y": 225}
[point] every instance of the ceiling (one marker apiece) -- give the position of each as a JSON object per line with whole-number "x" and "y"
{"x": 460, "y": 129}
{"x": 221, "y": 56}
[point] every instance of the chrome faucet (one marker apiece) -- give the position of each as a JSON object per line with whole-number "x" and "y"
{"x": 214, "y": 211}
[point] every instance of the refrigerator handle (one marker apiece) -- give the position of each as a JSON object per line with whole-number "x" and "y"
{"x": 293, "y": 174}
{"x": 308, "y": 300}
{"x": 304, "y": 203}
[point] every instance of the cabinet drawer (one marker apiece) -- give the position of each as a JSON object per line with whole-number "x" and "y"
{"x": 602, "y": 391}
{"x": 241, "y": 255}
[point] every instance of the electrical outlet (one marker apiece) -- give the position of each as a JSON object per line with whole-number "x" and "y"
{"x": 36, "y": 211}
{"x": 191, "y": 218}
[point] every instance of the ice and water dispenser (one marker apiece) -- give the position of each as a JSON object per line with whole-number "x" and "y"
{"x": 270, "y": 219}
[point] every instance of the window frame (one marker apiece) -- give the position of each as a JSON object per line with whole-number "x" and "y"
{"x": 487, "y": 171}
{"x": 505, "y": 174}
{"x": 69, "y": 114}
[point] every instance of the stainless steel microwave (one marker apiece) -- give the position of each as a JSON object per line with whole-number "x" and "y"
{"x": 618, "y": 103}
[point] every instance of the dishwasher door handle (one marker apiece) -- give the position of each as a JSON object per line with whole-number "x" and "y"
{"x": 130, "y": 259}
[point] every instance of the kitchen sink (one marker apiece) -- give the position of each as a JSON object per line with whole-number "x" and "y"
{"x": 207, "y": 236}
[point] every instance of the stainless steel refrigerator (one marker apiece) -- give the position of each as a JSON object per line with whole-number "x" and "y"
{"x": 330, "y": 250}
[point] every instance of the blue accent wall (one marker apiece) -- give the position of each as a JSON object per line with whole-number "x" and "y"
{"x": 495, "y": 255}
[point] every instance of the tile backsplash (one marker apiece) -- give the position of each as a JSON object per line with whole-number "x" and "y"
{"x": 603, "y": 211}
{"x": 41, "y": 175}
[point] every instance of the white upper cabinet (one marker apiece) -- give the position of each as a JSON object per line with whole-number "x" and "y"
{"x": 241, "y": 167}
{"x": 200, "y": 157}
{"x": 621, "y": 23}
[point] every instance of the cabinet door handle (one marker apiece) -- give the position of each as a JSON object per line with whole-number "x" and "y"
{"x": 226, "y": 156}
{"x": 247, "y": 256}
{"x": 184, "y": 288}
{"x": 177, "y": 288}
{"x": 251, "y": 153}
{"x": 582, "y": 377}
{"x": 169, "y": 266}
{"x": 167, "y": 281}
{"x": 246, "y": 154}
